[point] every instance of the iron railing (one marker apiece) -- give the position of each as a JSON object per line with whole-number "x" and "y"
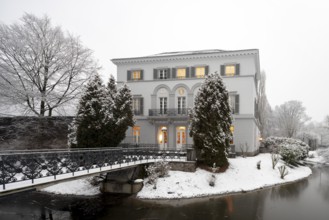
{"x": 169, "y": 112}
{"x": 30, "y": 165}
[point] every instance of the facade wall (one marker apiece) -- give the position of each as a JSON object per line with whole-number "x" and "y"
{"x": 246, "y": 131}
{"x": 246, "y": 135}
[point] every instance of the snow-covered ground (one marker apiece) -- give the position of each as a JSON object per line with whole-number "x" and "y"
{"x": 74, "y": 187}
{"x": 315, "y": 157}
{"x": 242, "y": 175}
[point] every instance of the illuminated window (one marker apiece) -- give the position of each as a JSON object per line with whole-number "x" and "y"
{"x": 230, "y": 70}
{"x": 180, "y": 136}
{"x": 200, "y": 72}
{"x": 163, "y": 136}
{"x": 232, "y": 132}
{"x": 181, "y": 73}
{"x": 136, "y": 74}
{"x": 136, "y": 134}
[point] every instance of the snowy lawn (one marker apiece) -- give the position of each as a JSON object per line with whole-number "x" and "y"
{"x": 74, "y": 187}
{"x": 242, "y": 175}
{"x": 319, "y": 156}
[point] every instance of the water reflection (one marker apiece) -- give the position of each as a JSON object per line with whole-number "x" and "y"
{"x": 323, "y": 187}
{"x": 289, "y": 191}
{"x": 307, "y": 199}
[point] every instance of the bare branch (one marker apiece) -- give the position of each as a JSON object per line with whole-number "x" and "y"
{"x": 41, "y": 68}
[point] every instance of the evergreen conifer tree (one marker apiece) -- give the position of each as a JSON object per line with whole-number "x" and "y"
{"x": 112, "y": 87}
{"x": 210, "y": 121}
{"x": 104, "y": 115}
{"x": 122, "y": 114}
{"x": 89, "y": 123}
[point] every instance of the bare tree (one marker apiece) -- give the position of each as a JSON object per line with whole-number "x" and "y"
{"x": 41, "y": 68}
{"x": 326, "y": 122}
{"x": 290, "y": 118}
{"x": 263, "y": 108}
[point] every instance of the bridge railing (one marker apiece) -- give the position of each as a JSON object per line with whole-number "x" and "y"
{"x": 18, "y": 166}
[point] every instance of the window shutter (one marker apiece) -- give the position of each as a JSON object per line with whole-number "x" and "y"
{"x": 155, "y": 73}
{"x": 192, "y": 71}
{"x": 222, "y": 70}
{"x": 206, "y": 70}
{"x": 128, "y": 75}
{"x": 142, "y": 74}
{"x": 173, "y": 72}
{"x": 187, "y": 72}
{"x": 141, "y": 106}
{"x": 168, "y": 72}
{"x": 237, "y": 69}
{"x": 237, "y": 104}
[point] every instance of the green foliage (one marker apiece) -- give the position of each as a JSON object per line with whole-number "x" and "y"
{"x": 91, "y": 115}
{"x": 211, "y": 120}
{"x": 122, "y": 116}
{"x": 291, "y": 150}
{"x": 104, "y": 115}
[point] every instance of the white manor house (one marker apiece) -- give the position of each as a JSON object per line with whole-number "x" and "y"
{"x": 164, "y": 86}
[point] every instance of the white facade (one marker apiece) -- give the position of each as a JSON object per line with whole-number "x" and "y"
{"x": 162, "y": 93}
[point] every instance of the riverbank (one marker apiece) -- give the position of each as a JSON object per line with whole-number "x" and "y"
{"x": 241, "y": 176}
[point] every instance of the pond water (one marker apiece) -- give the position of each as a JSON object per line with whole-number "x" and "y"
{"x": 304, "y": 200}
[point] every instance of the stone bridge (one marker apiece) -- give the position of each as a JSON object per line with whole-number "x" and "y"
{"x": 30, "y": 170}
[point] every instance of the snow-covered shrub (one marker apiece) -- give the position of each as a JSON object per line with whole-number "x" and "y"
{"x": 163, "y": 168}
{"x": 292, "y": 153}
{"x": 291, "y": 150}
{"x": 275, "y": 142}
{"x": 283, "y": 171}
{"x": 152, "y": 175}
{"x": 156, "y": 170}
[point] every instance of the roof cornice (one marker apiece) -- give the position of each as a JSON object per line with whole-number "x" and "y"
{"x": 185, "y": 56}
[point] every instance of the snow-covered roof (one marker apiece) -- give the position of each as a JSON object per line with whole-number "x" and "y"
{"x": 176, "y": 54}
{"x": 187, "y": 52}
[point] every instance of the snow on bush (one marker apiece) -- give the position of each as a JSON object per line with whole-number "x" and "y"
{"x": 291, "y": 150}
{"x": 274, "y": 142}
{"x": 156, "y": 170}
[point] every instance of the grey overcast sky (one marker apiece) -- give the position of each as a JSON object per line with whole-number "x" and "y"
{"x": 291, "y": 35}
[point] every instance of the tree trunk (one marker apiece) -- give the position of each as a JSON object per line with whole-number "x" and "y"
{"x": 50, "y": 111}
{"x": 42, "y": 108}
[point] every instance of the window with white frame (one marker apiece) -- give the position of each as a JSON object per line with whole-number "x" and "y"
{"x": 138, "y": 105}
{"x": 234, "y": 103}
{"x": 163, "y": 73}
{"x": 163, "y": 105}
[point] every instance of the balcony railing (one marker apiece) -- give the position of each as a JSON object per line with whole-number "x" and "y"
{"x": 169, "y": 112}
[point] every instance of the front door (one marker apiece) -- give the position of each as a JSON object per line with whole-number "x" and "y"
{"x": 163, "y": 138}
{"x": 180, "y": 137}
